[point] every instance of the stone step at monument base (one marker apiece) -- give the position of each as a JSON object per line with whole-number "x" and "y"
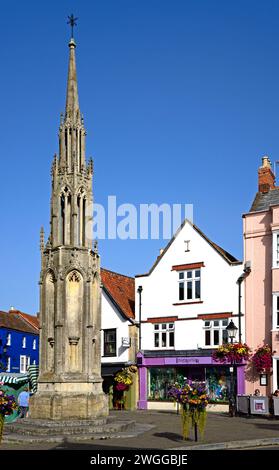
{"x": 36, "y": 428}
{"x": 127, "y": 429}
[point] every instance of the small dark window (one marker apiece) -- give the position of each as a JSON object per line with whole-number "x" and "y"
{"x": 216, "y": 337}
{"x": 207, "y": 337}
{"x": 181, "y": 291}
{"x": 156, "y": 340}
{"x": 110, "y": 342}
{"x": 171, "y": 339}
{"x": 189, "y": 290}
{"x": 225, "y": 336}
{"x": 198, "y": 289}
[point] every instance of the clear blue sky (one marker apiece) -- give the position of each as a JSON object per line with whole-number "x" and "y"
{"x": 180, "y": 99}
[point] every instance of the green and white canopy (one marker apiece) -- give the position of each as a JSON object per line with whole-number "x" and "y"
{"x": 14, "y": 378}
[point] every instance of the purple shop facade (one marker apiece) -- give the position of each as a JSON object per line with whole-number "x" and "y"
{"x": 144, "y": 363}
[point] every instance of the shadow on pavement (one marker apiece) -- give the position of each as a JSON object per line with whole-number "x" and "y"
{"x": 169, "y": 435}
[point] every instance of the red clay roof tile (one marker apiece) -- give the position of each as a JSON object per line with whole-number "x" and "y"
{"x": 122, "y": 289}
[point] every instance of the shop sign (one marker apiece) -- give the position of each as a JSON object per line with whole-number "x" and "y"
{"x": 187, "y": 360}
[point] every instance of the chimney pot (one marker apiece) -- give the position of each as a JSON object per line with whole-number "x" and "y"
{"x": 266, "y": 178}
{"x": 266, "y": 163}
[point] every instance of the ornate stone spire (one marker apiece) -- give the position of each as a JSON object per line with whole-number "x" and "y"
{"x": 72, "y": 132}
{"x": 72, "y": 104}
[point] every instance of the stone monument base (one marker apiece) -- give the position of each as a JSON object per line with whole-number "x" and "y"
{"x": 61, "y": 401}
{"x": 69, "y": 400}
{"x": 68, "y": 406}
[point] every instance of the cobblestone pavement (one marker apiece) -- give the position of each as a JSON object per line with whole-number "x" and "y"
{"x": 166, "y": 432}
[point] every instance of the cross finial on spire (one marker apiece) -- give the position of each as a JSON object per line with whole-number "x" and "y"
{"x": 72, "y": 23}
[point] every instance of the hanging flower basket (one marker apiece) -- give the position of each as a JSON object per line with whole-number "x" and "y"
{"x": 262, "y": 359}
{"x": 193, "y": 399}
{"x": 121, "y": 387}
{"x": 124, "y": 377}
{"x": 232, "y": 353}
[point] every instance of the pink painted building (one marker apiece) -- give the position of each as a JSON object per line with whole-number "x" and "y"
{"x": 261, "y": 253}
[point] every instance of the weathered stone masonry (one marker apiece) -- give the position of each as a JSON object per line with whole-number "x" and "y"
{"x": 70, "y": 383}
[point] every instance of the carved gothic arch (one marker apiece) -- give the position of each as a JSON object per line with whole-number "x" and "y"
{"x": 52, "y": 272}
{"x": 71, "y": 268}
{"x": 96, "y": 277}
{"x": 65, "y": 190}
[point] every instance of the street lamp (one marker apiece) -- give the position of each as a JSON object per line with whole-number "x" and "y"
{"x": 140, "y": 289}
{"x": 232, "y": 331}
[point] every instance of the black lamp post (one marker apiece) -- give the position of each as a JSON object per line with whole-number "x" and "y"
{"x": 139, "y": 292}
{"x": 232, "y": 331}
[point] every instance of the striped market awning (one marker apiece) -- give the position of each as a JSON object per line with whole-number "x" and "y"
{"x": 14, "y": 378}
{"x": 33, "y": 372}
{"x": 31, "y": 377}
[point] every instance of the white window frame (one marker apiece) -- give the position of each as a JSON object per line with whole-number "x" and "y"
{"x": 161, "y": 328}
{"x": 275, "y": 311}
{"x": 34, "y": 344}
{"x": 275, "y": 249}
{"x": 9, "y": 339}
{"x": 8, "y": 369}
{"x": 24, "y": 342}
{"x": 185, "y": 281}
{"x": 24, "y": 363}
{"x": 210, "y": 325}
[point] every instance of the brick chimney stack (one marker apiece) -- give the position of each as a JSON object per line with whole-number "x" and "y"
{"x": 266, "y": 176}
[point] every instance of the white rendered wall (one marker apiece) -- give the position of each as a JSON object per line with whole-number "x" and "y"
{"x": 219, "y": 290}
{"x": 111, "y": 318}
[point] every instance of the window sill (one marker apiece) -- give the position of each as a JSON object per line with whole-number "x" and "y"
{"x": 189, "y": 303}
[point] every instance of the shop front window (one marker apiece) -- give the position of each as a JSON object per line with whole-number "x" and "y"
{"x": 218, "y": 383}
{"x": 161, "y": 379}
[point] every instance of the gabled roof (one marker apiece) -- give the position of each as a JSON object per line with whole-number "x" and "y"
{"x": 13, "y": 321}
{"x": 121, "y": 290}
{"x": 230, "y": 259}
{"x": 30, "y": 319}
{"x": 263, "y": 201}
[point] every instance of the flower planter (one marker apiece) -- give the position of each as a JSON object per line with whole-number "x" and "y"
{"x": 193, "y": 399}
